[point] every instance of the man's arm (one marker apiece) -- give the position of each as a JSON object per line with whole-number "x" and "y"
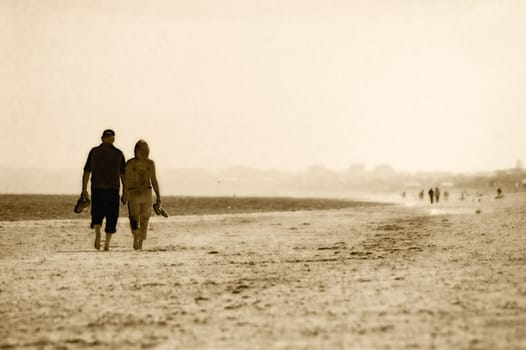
{"x": 85, "y": 176}
{"x": 124, "y": 197}
{"x": 85, "y": 179}
{"x": 123, "y": 166}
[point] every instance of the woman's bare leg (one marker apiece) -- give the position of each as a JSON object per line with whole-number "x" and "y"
{"x": 144, "y": 221}
{"x": 134, "y": 215}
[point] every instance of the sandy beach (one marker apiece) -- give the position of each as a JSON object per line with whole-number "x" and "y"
{"x": 408, "y": 276}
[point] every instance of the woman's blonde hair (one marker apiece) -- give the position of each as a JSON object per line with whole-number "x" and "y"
{"x": 143, "y": 145}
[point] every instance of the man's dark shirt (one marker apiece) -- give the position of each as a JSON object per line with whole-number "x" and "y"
{"x": 106, "y": 163}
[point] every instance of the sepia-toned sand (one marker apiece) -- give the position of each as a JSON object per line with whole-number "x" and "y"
{"x": 401, "y": 277}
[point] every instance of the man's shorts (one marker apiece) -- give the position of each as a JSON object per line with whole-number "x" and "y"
{"x": 105, "y": 204}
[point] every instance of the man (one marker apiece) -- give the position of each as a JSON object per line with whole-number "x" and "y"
{"x": 106, "y": 165}
{"x": 431, "y": 195}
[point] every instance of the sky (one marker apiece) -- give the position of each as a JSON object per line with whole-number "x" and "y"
{"x": 420, "y": 85}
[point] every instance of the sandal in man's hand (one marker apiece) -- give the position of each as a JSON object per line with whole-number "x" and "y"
{"x": 82, "y": 203}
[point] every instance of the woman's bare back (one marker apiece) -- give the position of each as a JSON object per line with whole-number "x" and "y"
{"x": 139, "y": 173}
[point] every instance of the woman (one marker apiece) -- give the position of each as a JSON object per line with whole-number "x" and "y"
{"x": 139, "y": 179}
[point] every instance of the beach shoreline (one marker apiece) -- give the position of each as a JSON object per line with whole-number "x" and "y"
{"x": 388, "y": 276}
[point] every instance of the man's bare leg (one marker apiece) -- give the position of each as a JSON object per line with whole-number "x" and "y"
{"x": 97, "y": 236}
{"x": 107, "y": 243}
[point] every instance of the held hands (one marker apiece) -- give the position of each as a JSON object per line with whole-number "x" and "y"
{"x": 84, "y": 194}
{"x": 124, "y": 198}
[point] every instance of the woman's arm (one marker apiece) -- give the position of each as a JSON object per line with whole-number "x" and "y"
{"x": 155, "y": 184}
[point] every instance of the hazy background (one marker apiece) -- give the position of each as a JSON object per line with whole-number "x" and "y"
{"x": 284, "y": 85}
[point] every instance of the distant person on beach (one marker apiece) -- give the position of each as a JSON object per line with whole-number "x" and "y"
{"x": 421, "y": 194}
{"x": 140, "y": 178}
{"x": 431, "y": 195}
{"x": 106, "y": 166}
{"x": 446, "y": 196}
{"x": 437, "y": 194}
{"x": 499, "y": 193}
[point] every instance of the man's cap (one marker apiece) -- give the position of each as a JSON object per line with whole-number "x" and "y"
{"x": 108, "y": 132}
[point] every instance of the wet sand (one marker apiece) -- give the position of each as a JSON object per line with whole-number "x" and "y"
{"x": 406, "y": 276}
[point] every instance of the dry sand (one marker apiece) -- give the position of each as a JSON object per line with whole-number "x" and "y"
{"x": 409, "y": 276}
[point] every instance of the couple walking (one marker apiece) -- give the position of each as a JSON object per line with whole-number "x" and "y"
{"x": 108, "y": 168}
